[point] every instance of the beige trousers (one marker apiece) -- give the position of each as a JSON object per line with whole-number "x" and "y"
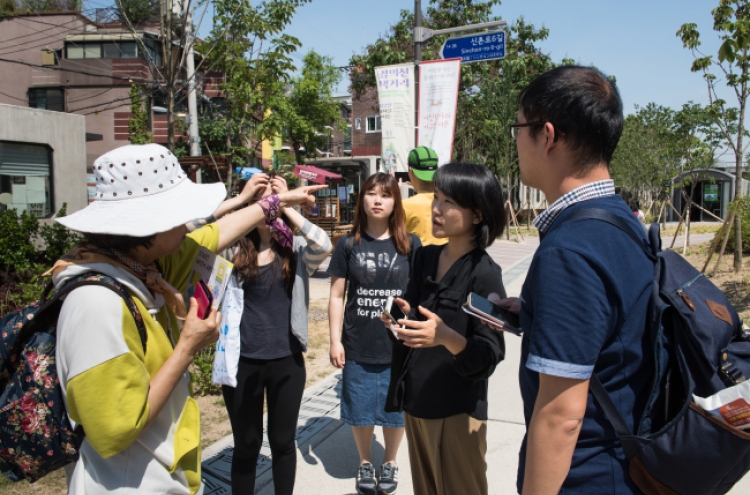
{"x": 447, "y": 455}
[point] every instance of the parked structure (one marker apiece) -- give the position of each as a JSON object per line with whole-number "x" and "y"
{"x": 42, "y": 157}
{"x": 713, "y": 191}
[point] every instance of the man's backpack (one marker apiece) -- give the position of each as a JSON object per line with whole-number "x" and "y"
{"x": 699, "y": 347}
{"x": 36, "y": 437}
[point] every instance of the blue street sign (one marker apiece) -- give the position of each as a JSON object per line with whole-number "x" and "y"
{"x": 475, "y": 48}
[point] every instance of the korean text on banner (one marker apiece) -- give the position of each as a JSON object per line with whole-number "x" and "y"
{"x": 396, "y": 97}
{"x": 438, "y": 98}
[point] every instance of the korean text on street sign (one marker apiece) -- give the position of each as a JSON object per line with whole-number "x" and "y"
{"x": 475, "y": 48}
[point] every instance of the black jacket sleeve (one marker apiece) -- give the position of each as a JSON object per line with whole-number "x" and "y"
{"x": 485, "y": 347}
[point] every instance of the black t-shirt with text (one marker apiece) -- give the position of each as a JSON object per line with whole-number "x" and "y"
{"x": 375, "y": 271}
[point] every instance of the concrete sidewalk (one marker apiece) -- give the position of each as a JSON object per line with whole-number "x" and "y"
{"x": 327, "y": 458}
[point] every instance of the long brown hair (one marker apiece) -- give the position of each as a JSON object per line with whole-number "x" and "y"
{"x": 397, "y": 220}
{"x": 246, "y": 258}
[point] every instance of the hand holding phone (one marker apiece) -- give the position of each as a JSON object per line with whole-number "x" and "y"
{"x": 393, "y": 311}
{"x": 491, "y": 313}
{"x": 204, "y": 297}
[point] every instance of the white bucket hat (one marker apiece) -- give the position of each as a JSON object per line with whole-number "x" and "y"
{"x": 142, "y": 190}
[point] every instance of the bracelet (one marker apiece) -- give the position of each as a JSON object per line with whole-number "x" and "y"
{"x": 271, "y": 207}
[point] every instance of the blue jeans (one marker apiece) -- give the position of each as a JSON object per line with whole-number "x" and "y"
{"x": 365, "y": 387}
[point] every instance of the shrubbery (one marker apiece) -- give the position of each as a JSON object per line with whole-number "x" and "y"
{"x": 22, "y": 264}
{"x": 743, "y": 208}
{"x": 22, "y": 261}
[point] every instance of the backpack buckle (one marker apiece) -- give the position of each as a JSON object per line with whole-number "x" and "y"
{"x": 745, "y": 332}
{"x": 730, "y": 371}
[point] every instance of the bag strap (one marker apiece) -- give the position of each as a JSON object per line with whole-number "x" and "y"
{"x": 612, "y": 219}
{"x": 80, "y": 281}
{"x": 600, "y": 394}
{"x": 602, "y": 397}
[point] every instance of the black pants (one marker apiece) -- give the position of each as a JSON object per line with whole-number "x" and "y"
{"x": 283, "y": 381}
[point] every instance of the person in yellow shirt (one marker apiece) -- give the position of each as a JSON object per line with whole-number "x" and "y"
{"x": 423, "y": 163}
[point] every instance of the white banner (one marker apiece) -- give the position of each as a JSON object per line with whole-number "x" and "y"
{"x": 396, "y": 97}
{"x": 438, "y": 98}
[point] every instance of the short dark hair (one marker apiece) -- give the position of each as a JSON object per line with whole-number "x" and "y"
{"x": 121, "y": 243}
{"x": 581, "y": 102}
{"x": 474, "y": 187}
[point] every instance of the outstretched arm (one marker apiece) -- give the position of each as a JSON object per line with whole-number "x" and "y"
{"x": 235, "y": 225}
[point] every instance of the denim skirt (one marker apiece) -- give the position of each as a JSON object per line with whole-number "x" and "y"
{"x": 365, "y": 387}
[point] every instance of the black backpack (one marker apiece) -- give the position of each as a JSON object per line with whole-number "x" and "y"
{"x": 36, "y": 437}
{"x": 699, "y": 347}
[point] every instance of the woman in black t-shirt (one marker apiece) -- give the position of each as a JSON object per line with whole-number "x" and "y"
{"x": 444, "y": 357}
{"x": 374, "y": 259}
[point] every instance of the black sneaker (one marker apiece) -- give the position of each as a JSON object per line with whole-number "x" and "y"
{"x": 366, "y": 482}
{"x": 388, "y": 481}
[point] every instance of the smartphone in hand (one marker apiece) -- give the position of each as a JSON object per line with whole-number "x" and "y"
{"x": 481, "y": 308}
{"x": 394, "y": 312}
{"x": 204, "y": 297}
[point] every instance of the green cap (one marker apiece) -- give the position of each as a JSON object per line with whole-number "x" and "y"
{"x": 424, "y": 162}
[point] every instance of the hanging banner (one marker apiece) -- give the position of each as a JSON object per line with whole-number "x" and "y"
{"x": 396, "y": 97}
{"x": 438, "y": 99}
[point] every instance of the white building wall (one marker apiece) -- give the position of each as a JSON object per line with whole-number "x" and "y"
{"x": 65, "y": 134}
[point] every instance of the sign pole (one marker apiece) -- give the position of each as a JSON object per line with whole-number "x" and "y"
{"x": 417, "y": 59}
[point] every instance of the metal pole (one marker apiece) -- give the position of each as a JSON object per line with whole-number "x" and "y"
{"x": 195, "y": 140}
{"x": 417, "y": 59}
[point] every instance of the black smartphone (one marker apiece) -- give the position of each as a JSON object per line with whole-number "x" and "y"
{"x": 393, "y": 310}
{"x": 488, "y": 312}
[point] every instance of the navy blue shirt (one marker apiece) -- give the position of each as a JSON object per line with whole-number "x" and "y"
{"x": 584, "y": 311}
{"x": 266, "y": 329}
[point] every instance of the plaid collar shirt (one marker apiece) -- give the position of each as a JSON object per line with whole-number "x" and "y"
{"x": 593, "y": 190}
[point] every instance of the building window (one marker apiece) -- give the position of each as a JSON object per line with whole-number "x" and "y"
{"x": 113, "y": 49}
{"x": 358, "y": 123}
{"x": 47, "y": 99}
{"x": 373, "y": 123}
{"x": 25, "y": 171}
{"x": 127, "y": 49}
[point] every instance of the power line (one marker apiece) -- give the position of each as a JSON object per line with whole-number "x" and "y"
{"x": 54, "y": 67}
{"x": 14, "y": 97}
{"x": 42, "y": 31}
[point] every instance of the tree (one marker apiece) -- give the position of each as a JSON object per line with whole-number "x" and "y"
{"x": 732, "y": 24}
{"x": 172, "y": 20}
{"x": 309, "y": 108}
{"x": 138, "y": 123}
{"x": 645, "y": 158}
{"x": 487, "y": 91}
{"x": 247, "y": 44}
{"x": 138, "y": 11}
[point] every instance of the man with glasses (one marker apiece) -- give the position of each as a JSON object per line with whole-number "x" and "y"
{"x": 583, "y": 304}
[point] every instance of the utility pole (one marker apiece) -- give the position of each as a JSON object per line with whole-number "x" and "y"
{"x": 195, "y": 140}
{"x": 417, "y": 60}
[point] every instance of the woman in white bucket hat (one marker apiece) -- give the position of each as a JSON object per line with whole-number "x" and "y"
{"x": 142, "y": 427}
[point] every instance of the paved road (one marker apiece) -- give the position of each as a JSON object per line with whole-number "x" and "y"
{"x": 327, "y": 458}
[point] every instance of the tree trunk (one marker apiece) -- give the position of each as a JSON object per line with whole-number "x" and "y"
{"x": 738, "y": 184}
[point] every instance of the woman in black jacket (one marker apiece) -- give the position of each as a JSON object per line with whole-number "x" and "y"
{"x": 444, "y": 357}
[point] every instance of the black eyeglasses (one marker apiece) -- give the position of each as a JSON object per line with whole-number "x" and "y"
{"x": 514, "y": 127}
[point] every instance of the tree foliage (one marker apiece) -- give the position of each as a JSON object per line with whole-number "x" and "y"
{"x": 138, "y": 11}
{"x": 138, "y": 123}
{"x": 248, "y": 45}
{"x": 487, "y": 91}
{"x": 659, "y": 143}
{"x": 732, "y": 63}
{"x": 309, "y": 115}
